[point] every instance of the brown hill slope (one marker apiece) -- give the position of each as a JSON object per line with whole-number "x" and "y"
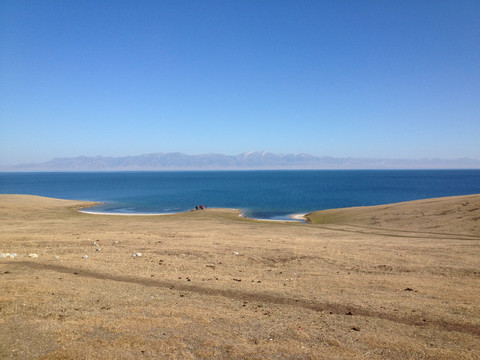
{"x": 211, "y": 284}
{"x": 456, "y": 215}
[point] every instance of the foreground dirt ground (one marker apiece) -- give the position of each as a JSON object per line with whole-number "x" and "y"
{"x": 391, "y": 282}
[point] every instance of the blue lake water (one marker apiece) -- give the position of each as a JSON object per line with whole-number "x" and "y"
{"x": 260, "y": 194}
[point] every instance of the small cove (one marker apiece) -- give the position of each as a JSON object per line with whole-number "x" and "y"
{"x": 273, "y": 195}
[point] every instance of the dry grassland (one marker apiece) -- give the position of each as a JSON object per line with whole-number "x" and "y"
{"x": 389, "y": 282}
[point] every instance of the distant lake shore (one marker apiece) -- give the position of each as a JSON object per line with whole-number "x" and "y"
{"x": 274, "y": 195}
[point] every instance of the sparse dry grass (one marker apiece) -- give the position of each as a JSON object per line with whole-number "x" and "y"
{"x": 399, "y": 286}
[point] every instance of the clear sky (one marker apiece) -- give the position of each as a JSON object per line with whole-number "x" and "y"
{"x": 373, "y": 78}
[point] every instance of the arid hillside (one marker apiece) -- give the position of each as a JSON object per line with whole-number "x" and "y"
{"x": 398, "y": 281}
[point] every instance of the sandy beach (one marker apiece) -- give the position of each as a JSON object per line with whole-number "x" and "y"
{"x": 399, "y": 281}
{"x": 124, "y": 214}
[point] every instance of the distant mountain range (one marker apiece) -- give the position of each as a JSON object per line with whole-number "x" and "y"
{"x": 259, "y": 160}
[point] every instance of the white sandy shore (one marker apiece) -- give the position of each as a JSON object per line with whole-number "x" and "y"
{"x": 298, "y": 216}
{"x": 294, "y": 217}
{"x": 125, "y": 214}
{"x": 147, "y": 214}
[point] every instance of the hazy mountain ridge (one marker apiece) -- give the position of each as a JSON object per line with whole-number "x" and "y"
{"x": 245, "y": 161}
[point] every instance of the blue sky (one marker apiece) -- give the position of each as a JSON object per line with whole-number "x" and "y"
{"x": 392, "y": 79}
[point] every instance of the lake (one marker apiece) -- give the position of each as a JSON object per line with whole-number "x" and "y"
{"x": 260, "y": 194}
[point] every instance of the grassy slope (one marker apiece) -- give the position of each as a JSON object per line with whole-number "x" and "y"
{"x": 374, "y": 283}
{"x": 459, "y": 214}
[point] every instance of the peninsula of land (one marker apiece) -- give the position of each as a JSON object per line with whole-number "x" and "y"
{"x": 397, "y": 281}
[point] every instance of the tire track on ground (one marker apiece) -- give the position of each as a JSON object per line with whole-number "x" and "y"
{"x": 242, "y": 295}
{"x": 397, "y": 233}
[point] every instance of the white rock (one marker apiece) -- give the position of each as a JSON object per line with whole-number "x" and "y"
{"x": 236, "y": 253}
{"x": 85, "y": 257}
{"x": 139, "y": 254}
{"x": 33, "y": 255}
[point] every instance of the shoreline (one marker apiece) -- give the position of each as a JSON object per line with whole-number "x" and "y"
{"x": 293, "y": 217}
{"x": 299, "y": 217}
{"x": 357, "y": 214}
{"x": 130, "y": 214}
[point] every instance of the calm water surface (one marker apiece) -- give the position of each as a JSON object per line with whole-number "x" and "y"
{"x": 260, "y": 194}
